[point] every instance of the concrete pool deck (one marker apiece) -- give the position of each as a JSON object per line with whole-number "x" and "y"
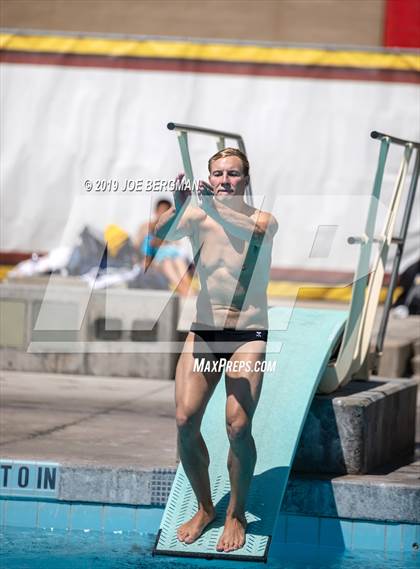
{"x": 115, "y": 442}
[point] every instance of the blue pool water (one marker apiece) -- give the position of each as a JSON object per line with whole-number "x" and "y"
{"x": 44, "y": 549}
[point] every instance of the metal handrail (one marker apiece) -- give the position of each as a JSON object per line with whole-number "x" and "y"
{"x": 221, "y": 135}
{"x": 394, "y": 139}
{"x": 199, "y": 129}
{"x": 354, "y": 358}
{"x": 400, "y": 242}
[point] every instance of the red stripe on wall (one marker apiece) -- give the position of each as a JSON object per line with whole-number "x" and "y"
{"x": 15, "y": 257}
{"x": 402, "y": 23}
{"x": 199, "y": 66}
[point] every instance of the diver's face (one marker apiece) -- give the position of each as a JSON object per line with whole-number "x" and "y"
{"x": 227, "y": 177}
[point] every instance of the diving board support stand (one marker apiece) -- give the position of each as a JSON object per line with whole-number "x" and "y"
{"x": 400, "y": 242}
{"x": 352, "y": 359}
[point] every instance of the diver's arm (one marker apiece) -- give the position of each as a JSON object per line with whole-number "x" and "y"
{"x": 258, "y": 226}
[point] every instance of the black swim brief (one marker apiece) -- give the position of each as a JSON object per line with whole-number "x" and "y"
{"x": 223, "y": 342}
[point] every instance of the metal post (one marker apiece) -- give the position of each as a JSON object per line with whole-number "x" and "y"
{"x": 183, "y": 145}
{"x": 397, "y": 259}
{"x": 221, "y": 143}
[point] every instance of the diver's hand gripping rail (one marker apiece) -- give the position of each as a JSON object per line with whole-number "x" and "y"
{"x": 221, "y": 136}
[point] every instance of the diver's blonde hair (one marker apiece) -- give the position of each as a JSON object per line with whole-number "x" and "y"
{"x": 231, "y": 152}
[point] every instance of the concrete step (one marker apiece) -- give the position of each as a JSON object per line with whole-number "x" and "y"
{"x": 396, "y": 358}
{"x": 359, "y": 428}
{"x": 415, "y": 365}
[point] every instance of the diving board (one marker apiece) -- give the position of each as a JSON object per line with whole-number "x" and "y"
{"x": 301, "y": 353}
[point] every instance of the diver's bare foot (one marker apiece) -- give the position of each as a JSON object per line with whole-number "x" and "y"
{"x": 233, "y": 536}
{"x": 191, "y": 530}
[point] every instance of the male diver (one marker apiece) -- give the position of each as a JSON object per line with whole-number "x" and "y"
{"x": 232, "y": 244}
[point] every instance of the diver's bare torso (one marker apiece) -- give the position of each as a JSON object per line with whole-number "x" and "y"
{"x": 233, "y": 282}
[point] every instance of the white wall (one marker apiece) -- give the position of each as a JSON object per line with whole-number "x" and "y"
{"x": 62, "y": 125}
